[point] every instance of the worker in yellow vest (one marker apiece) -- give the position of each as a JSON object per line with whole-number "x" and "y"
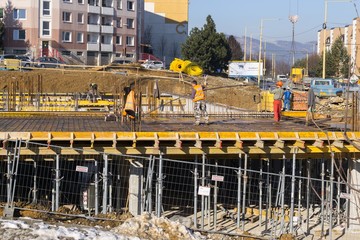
{"x": 198, "y": 96}
{"x": 130, "y": 107}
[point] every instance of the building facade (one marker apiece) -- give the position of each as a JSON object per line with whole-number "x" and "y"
{"x": 91, "y": 32}
{"x": 165, "y": 27}
{"x": 351, "y": 37}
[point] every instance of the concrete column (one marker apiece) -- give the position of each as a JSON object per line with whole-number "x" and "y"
{"x": 354, "y": 167}
{"x": 136, "y": 187}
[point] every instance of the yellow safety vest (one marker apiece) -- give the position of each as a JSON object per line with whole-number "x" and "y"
{"x": 130, "y": 101}
{"x": 199, "y": 94}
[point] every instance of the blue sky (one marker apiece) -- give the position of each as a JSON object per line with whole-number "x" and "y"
{"x": 232, "y": 17}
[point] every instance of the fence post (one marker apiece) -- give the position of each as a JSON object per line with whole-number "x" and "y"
{"x": 9, "y": 176}
{"x": 308, "y": 198}
{"x": 215, "y": 198}
{"x": 331, "y": 193}
{"x": 260, "y": 192}
{"x": 322, "y": 196}
{"x": 105, "y": 184}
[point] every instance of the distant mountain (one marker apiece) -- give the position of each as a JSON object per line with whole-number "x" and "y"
{"x": 282, "y": 50}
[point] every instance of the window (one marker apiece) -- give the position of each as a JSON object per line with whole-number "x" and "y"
{"x": 66, "y": 53}
{"x": 118, "y": 40}
{"x": 119, "y": 4}
{"x": 66, "y": 36}
{"x": 1, "y": 12}
{"x": 118, "y": 22}
{"x": 67, "y": 1}
{"x": 66, "y": 17}
{"x": 79, "y": 54}
{"x": 19, "y": 34}
{"x": 80, "y": 37}
{"x": 130, "y": 41}
{"x": 81, "y": 1}
{"x": 80, "y": 18}
{"x": 19, "y": 13}
{"x": 130, "y": 23}
{"x": 46, "y": 8}
{"x": 93, "y": 2}
{"x": 130, "y": 6}
{"x": 46, "y": 28}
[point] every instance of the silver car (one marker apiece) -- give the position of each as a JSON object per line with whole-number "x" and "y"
{"x": 25, "y": 61}
{"x": 150, "y": 64}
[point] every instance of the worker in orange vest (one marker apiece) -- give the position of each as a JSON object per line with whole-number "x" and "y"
{"x": 198, "y": 97}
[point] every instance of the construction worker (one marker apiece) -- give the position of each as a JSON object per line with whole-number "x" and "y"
{"x": 287, "y": 99}
{"x": 311, "y": 106}
{"x": 198, "y": 97}
{"x": 278, "y": 95}
{"x": 130, "y": 103}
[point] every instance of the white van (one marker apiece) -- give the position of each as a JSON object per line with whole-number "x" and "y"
{"x": 281, "y": 78}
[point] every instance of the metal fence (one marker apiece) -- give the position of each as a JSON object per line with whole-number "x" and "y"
{"x": 271, "y": 196}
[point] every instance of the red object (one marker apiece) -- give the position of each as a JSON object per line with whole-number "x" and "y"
{"x": 277, "y": 110}
{"x": 279, "y": 83}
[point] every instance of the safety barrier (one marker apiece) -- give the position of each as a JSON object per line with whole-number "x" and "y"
{"x": 258, "y": 195}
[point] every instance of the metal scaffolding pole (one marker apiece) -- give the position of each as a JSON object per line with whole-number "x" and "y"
{"x": 244, "y": 192}
{"x": 308, "y": 198}
{"x": 331, "y": 193}
{"x": 96, "y": 180}
{"x": 268, "y": 198}
{"x": 260, "y": 193}
{"x": 195, "y": 190}
{"x": 238, "y": 193}
{"x": 322, "y": 196}
{"x": 57, "y": 182}
{"x": 202, "y": 196}
{"x": 105, "y": 184}
{"x": 160, "y": 184}
{"x": 292, "y": 193}
{"x": 283, "y": 197}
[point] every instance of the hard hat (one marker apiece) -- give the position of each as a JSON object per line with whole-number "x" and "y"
{"x": 279, "y": 83}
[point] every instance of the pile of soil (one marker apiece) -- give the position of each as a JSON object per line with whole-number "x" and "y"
{"x": 219, "y": 89}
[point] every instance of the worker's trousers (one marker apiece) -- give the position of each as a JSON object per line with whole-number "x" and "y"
{"x": 287, "y": 104}
{"x": 277, "y": 110}
{"x": 200, "y": 109}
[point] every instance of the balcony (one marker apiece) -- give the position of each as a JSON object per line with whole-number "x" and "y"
{"x": 106, "y": 47}
{"x": 107, "y": 11}
{"x": 107, "y": 29}
{"x": 93, "y": 28}
{"x": 92, "y": 47}
{"x": 94, "y": 9}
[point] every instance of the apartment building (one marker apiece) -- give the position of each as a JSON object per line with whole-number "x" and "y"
{"x": 78, "y": 31}
{"x": 351, "y": 38}
{"x": 165, "y": 27}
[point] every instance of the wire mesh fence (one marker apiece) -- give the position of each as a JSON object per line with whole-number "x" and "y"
{"x": 247, "y": 193}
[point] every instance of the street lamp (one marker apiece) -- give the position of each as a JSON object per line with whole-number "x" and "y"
{"x": 261, "y": 29}
{"x": 324, "y": 30}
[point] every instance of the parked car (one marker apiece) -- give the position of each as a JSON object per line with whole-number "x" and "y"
{"x": 120, "y": 62}
{"x": 326, "y": 87}
{"x": 48, "y": 62}
{"x": 7, "y": 56}
{"x": 150, "y": 64}
{"x": 25, "y": 61}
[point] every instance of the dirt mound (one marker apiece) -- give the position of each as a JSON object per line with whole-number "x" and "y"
{"x": 219, "y": 89}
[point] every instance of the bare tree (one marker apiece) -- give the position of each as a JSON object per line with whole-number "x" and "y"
{"x": 162, "y": 45}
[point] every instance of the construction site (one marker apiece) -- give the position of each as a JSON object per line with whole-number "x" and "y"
{"x": 70, "y": 154}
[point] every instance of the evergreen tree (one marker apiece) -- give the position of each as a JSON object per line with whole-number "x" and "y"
{"x": 207, "y": 48}
{"x": 337, "y": 60}
{"x": 236, "y": 51}
{"x": 2, "y": 32}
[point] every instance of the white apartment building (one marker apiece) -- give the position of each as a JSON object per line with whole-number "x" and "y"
{"x": 91, "y": 32}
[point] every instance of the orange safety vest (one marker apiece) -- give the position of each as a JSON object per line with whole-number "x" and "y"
{"x": 199, "y": 94}
{"x": 130, "y": 101}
